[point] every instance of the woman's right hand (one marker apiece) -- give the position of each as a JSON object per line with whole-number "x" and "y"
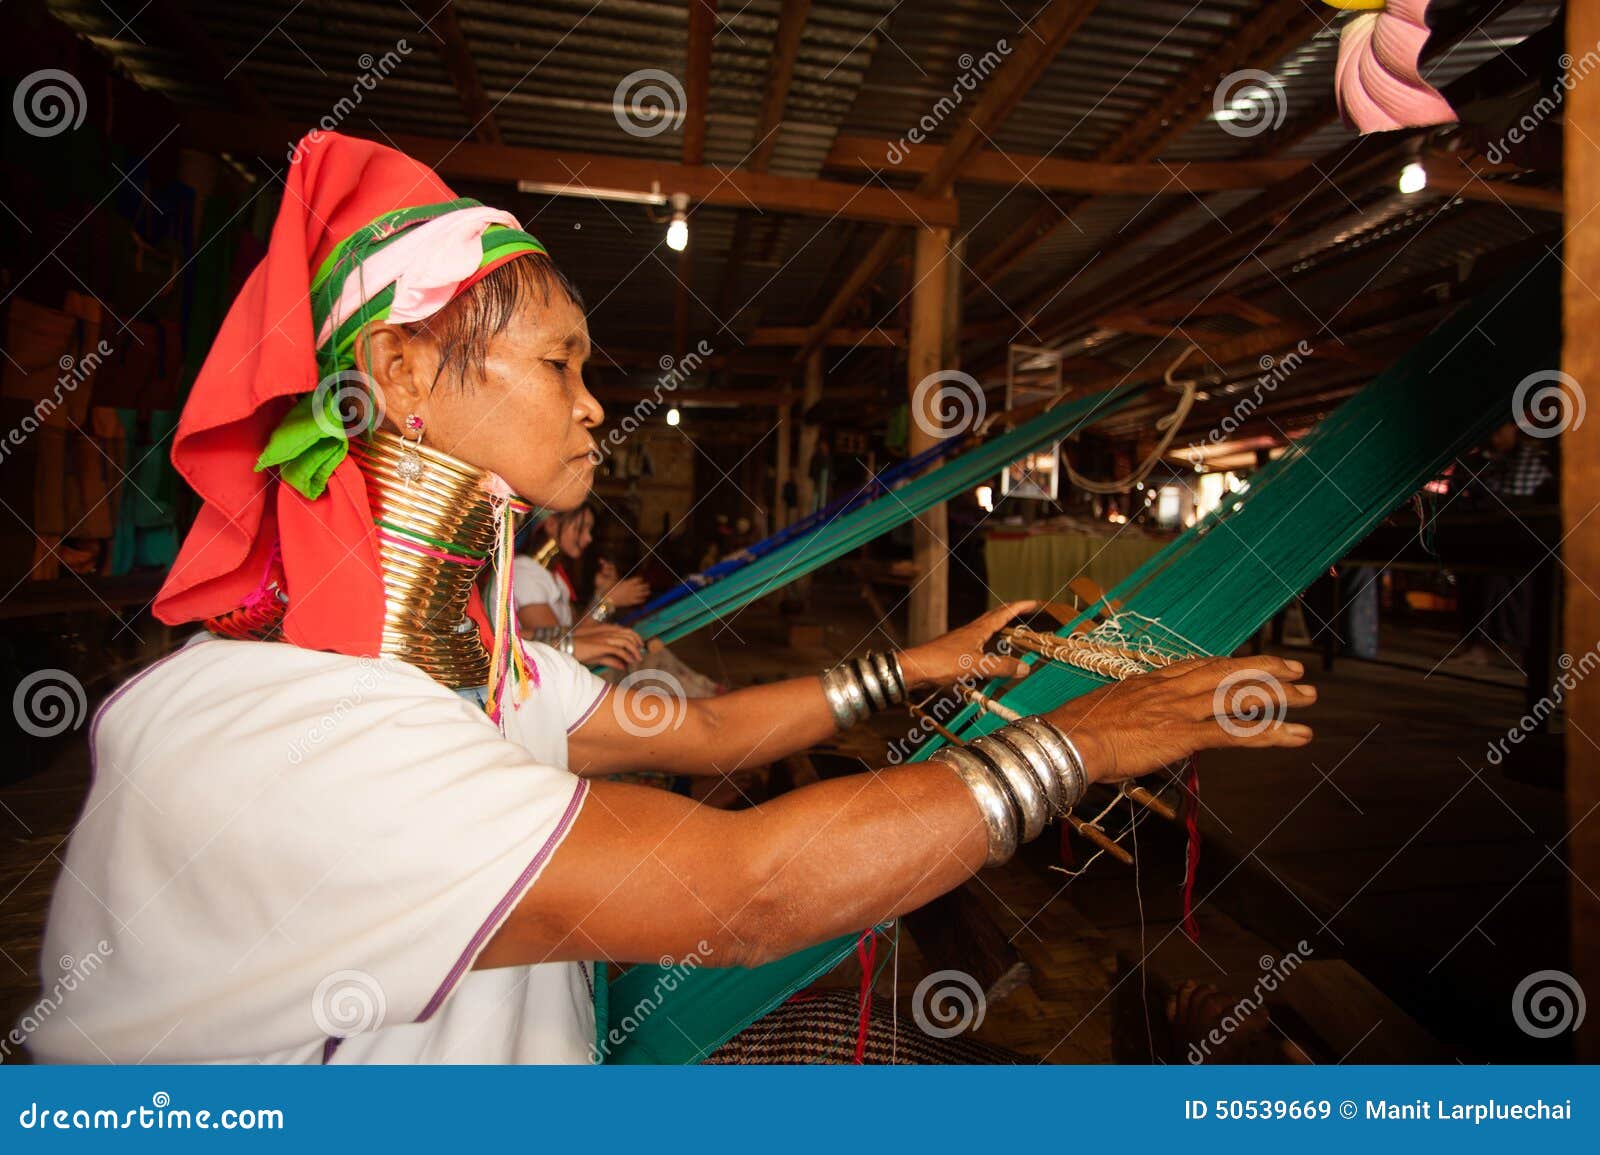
{"x": 1141, "y": 724}
{"x": 614, "y": 647}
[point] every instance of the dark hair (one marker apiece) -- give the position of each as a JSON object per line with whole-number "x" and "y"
{"x": 464, "y": 327}
{"x": 557, "y": 522}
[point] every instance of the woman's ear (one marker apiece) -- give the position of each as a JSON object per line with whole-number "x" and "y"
{"x": 393, "y": 360}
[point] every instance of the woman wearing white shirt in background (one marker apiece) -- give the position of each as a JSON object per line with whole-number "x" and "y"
{"x": 544, "y": 594}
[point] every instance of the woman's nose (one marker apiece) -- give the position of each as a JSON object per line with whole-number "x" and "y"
{"x": 586, "y": 409}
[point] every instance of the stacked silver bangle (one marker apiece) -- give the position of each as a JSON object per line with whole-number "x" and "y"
{"x": 1021, "y": 776}
{"x": 556, "y": 637}
{"x": 857, "y": 687}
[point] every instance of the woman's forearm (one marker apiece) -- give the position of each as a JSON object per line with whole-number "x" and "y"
{"x": 748, "y": 728}
{"x": 646, "y": 874}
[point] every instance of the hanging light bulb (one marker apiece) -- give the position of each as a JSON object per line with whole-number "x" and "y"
{"x": 678, "y": 230}
{"x": 1413, "y": 178}
{"x": 673, "y": 416}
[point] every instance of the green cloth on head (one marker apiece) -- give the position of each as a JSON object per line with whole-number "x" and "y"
{"x": 311, "y": 441}
{"x": 307, "y": 446}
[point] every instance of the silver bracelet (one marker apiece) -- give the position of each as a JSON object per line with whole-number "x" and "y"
{"x": 1038, "y": 759}
{"x": 1021, "y": 776}
{"x": 999, "y": 816}
{"x": 1024, "y": 787}
{"x": 602, "y": 611}
{"x": 858, "y": 686}
{"x": 1065, "y": 760}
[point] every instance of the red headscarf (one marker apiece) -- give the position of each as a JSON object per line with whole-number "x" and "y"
{"x": 263, "y": 360}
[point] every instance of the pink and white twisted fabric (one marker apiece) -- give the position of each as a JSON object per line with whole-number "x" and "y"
{"x": 1377, "y": 80}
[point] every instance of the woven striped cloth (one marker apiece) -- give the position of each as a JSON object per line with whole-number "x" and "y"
{"x": 821, "y": 1028}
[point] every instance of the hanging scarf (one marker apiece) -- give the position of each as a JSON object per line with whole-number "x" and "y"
{"x": 1377, "y": 80}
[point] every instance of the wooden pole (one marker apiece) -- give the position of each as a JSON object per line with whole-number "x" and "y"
{"x": 1580, "y": 493}
{"x": 930, "y": 596}
{"x": 780, "y": 508}
{"x": 809, "y": 431}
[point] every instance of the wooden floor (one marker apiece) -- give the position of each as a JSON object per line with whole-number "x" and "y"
{"x": 1424, "y": 882}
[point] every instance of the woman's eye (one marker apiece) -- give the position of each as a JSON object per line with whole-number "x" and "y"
{"x": 560, "y": 366}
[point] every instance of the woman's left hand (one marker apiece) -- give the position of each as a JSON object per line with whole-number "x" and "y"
{"x": 960, "y": 653}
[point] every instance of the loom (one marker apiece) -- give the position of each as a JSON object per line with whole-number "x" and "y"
{"x": 1212, "y": 588}
{"x": 858, "y": 521}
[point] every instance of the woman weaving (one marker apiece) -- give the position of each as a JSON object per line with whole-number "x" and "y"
{"x": 348, "y": 779}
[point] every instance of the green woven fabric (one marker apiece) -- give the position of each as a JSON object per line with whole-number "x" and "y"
{"x": 861, "y": 525}
{"x": 1216, "y": 585}
{"x": 1223, "y": 579}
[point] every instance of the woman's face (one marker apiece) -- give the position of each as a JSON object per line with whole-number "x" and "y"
{"x": 526, "y": 417}
{"x": 576, "y": 535}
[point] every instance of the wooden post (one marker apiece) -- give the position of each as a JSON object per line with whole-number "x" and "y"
{"x": 809, "y": 431}
{"x": 930, "y": 596}
{"x": 1580, "y": 492}
{"x": 780, "y": 508}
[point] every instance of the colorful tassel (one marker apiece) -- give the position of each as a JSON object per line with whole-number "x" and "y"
{"x": 509, "y": 667}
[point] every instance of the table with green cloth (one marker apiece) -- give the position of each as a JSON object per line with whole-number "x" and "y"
{"x": 1031, "y": 564}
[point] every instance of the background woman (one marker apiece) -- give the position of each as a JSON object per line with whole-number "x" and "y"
{"x": 546, "y": 594}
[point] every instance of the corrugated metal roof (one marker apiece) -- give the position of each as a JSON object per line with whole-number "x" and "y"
{"x": 557, "y": 74}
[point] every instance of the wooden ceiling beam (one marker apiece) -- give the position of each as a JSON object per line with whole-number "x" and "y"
{"x": 1058, "y": 174}
{"x": 1244, "y": 226}
{"x": 877, "y": 337}
{"x": 1261, "y": 40}
{"x": 774, "y": 100}
{"x": 1041, "y": 40}
{"x": 189, "y": 38}
{"x": 697, "y": 102}
{"x": 463, "y": 70}
{"x": 584, "y": 173}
